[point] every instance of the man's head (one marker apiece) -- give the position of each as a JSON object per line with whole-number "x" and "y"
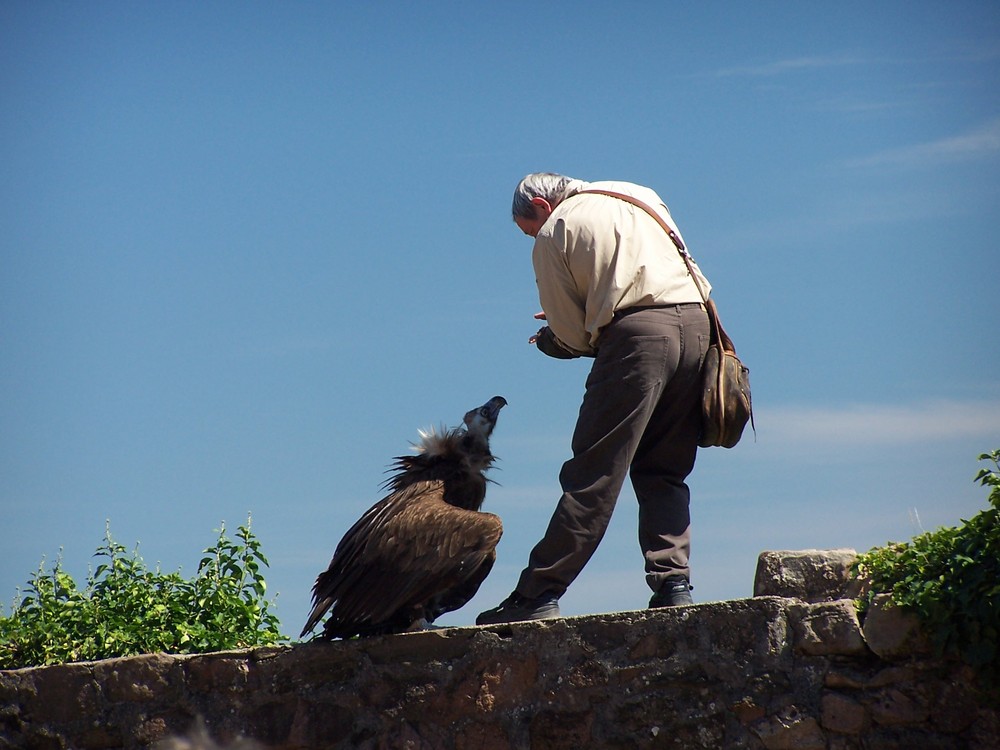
{"x": 537, "y": 195}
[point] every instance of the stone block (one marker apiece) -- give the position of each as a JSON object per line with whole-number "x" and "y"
{"x": 139, "y": 679}
{"x": 810, "y": 575}
{"x": 893, "y": 632}
{"x": 896, "y": 707}
{"x": 841, "y": 714}
{"x": 214, "y": 673}
{"x": 790, "y": 729}
{"x": 553, "y": 730}
{"x": 956, "y": 706}
{"x": 66, "y": 694}
{"x": 827, "y": 629}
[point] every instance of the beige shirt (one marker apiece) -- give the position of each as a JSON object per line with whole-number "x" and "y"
{"x": 596, "y": 255}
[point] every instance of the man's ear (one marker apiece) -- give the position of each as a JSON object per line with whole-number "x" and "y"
{"x": 539, "y": 201}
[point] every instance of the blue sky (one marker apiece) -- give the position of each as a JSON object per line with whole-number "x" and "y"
{"x": 247, "y": 250}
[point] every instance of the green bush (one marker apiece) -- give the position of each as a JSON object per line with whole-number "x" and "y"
{"x": 951, "y": 579}
{"x": 126, "y": 609}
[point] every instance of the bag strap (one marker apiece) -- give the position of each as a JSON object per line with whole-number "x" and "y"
{"x": 718, "y": 332}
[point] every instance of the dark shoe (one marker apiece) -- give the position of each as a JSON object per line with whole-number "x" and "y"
{"x": 516, "y": 608}
{"x": 673, "y": 593}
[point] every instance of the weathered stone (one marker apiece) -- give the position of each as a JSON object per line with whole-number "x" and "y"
{"x": 762, "y": 672}
{"x": 747, "y": 711}
{"x": 101, "y": 736}
{"x": 433, "y": 645}
{"x": 844, "y": 742}
{"x": 892, "y": 675}
{"x": 751, "y": 629}
{"x": 790, "y": 730}
{"x": 839, "y": 676}
{"x": 218, "y": 672}
{"x": 65, "y": 694}
{"x": 481, "y": 737}
{"x": 552, "y": 730}
{"x": 984, "y": 732}
{"x": 956, "y": 706}
{"x": 151, "y": 730}
{"x": 893, "y": 632}
{"x": 827, "y": 629}
{"x": 308, "y": 665}
{"x": 317, "y": 725}
{"x": 14, "y": 684}
{"x": 894, "y": 707}
{"x": 842, "y": 714}
{"x": 138, "y": 679}
{"x": 810, "y": 575}
{"x": 271, "y": 722}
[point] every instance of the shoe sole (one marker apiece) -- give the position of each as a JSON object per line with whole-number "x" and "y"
{"x": 548, "y": 612}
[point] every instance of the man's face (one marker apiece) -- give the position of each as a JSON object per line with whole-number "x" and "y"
{"x": 531, "y": 226}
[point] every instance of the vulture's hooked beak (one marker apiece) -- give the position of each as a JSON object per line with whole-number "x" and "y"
{"x": 484, "y": 419}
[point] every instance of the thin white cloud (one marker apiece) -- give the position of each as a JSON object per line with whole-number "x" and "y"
{"x": 982, "y": 142}
{"x": 878, "y": 425}
{"x": 822, "y": 62}
{"x": 780, "y": 67}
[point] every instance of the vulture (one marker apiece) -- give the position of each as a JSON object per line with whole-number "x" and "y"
{"x": 422, "y": 550}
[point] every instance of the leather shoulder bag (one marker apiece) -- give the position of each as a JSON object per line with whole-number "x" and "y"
{"x": 726, "y": 403}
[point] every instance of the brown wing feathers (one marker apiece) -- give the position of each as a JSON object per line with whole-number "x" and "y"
{"x": 422, "y": 550}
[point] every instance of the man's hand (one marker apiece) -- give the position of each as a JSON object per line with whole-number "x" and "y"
{"x": 538, "y": 316}
{"x": 547, "y": 343}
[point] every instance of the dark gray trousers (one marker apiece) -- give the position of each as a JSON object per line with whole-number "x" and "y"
{"x": 640, "y": 416}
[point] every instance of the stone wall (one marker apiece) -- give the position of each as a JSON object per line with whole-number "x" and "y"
{"x": 769, "y": 672}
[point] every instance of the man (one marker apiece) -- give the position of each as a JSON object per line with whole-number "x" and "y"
{"x": 613, "y": 286}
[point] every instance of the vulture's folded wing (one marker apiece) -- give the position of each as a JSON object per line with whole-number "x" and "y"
{"x": 408, "y": 549}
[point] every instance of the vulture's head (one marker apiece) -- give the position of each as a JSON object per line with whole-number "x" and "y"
{"x": 460, "y": 454}
{"x": 479, "y": 423}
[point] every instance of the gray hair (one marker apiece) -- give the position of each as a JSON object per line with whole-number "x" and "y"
{"x": 552, "y": 187}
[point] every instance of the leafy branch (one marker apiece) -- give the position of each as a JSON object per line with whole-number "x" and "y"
{"x": 127, "y": 609}
{"x": 951, "y": 579}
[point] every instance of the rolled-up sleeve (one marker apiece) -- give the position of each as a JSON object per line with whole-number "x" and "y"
{"x": 564, "y": 305}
